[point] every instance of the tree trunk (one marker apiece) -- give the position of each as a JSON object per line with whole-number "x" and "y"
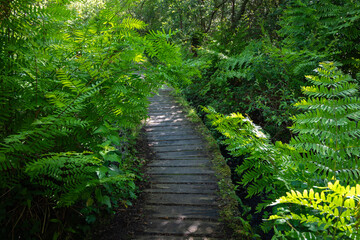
{"x": 238, "y": 16}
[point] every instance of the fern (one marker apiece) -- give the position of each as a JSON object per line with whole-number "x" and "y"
{"x": 328, "y": 132}
{"x": 323, "y": 27}
{"x": 74, "y": 85}
{"x": 72, "y": 93}
{"x": 132, "y": 23}
{"x": 333, "y": 209}
{"x": 326, "y": 145}
{"x": 160, "y": 47}
{"x": 261, "y": 168}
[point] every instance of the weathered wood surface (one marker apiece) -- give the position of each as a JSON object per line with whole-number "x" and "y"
{"x": 175, "y": 142}
{"x": 180, "y": 163}
{"x": 162, "y": 237}
{"x": 181, "y": 188}
{"x": 181, "y": 201}
{"x": 208, "y": 179}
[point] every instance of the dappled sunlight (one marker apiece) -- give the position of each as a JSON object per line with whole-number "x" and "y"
{"x": 181, "y": 201}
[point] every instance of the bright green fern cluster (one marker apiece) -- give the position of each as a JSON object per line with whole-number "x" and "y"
{"x": 263, "y": 162}
{"x": 334, "y": 209}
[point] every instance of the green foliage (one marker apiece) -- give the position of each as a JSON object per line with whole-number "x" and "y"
{"x": 263, "y": 165}
{"x": 253, "y": 82}
{"x": 328, "y": 131}
{"x": 335, "y": 210}
{"x": 75, "y": 77}
{"x": 326, "y": 147}
{"x": 161, "y": 48}
{"x": 170, "y": 67}
{"x": 253, "y": 56}
{"x": 74, "y": 83}
{"x": 263, "y": 159}
{"x": 324, "y": 27}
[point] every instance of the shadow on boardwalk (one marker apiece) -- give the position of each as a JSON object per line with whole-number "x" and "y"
{"x": 181, "y": 200}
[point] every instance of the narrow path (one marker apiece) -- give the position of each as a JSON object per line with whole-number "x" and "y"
{"x": 181, "y": 200}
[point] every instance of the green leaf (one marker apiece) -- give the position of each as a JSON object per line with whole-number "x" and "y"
{"x": 106, "y": 201}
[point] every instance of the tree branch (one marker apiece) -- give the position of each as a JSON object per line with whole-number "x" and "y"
{"x": 213, "y": 14}
{"x": 241, "y": 13}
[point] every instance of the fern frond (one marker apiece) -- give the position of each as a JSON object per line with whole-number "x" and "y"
{"x": 64, "y": 172}
{"x": 328, "y": 128}
{"x": 263, "y": 161}
{"x": 334, "y": 207}
{"x": 74, "y": 85}
{"x": 160, "y": 47}
{"x": 132, "y": 23}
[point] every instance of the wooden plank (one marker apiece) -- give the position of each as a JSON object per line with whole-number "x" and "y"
{"x": 169, "y": 124}
{"x": 179, "y": 170}
{"x": 164, "y": 121}
{"x": 158, "y": 103}
{"x": 154, "y": 121}
{"x": 178, "y": 148}
{"x": 165, "y": 113}
{"x": 182, "y": 212}
{"x": 166, "y": 118}
{"x": 169, "y": 103}
{"x": 166, "y": 106}
{"x": 179, "y": 129}
{"x": 162, "y": 111}
{"x": 181, "y": 155}
{"x": 156, "y": 108}
{"x": 184, "y": 133}
{"x": 183, "y": 227}
{"x": 173, "y": 237}
{"x": 179, "y": 163}
{"x": 176, "y": 142}
{"x": 161, "y": 98}
{"x": 182, "y": 188}
{"x": 170, "y": 137}
{"x": 206, "y": 179}
{"x": 181, "y": 199}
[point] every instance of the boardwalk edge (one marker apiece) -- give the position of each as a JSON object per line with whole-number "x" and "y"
{"x": 229, "y": 210}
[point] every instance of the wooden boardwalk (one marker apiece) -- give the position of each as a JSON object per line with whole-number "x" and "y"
{"x": 181, "y": 202}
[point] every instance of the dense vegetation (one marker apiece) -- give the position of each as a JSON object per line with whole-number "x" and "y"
{"x": 254, "y": 56}
{"x": 75, "y": 76}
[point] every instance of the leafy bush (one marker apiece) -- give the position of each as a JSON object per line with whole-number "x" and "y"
{"x": 323, "y": 27}
{"x": 333, "y": 212}
{"x": 257, "y": 81}
{"x": 326, "y": 147}
{"x": 74, "y": 85}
